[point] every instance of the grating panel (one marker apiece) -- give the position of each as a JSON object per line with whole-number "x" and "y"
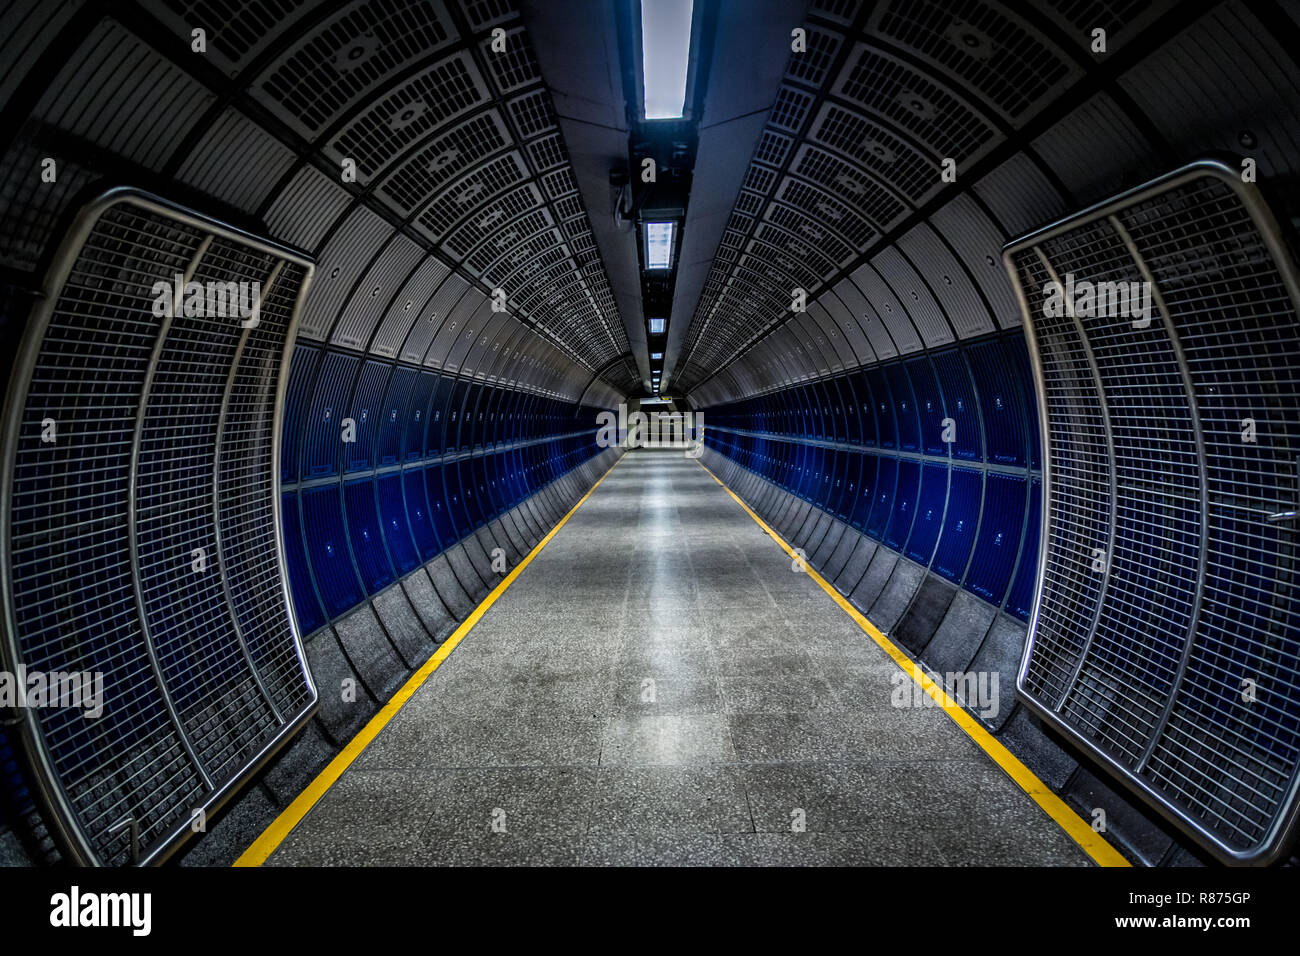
{"x": 772, "y": 148}
{"x": 879, "y": 152}
{"x": 827, "y": 209}
{"x": 934, "y": 115}
{"x": 482, "y": 14}
{"x": 1167, "y": 573}
{"x": 850, "y": 184}
{"x": 507, "y": 238}
{"x": 419, "y": 178}
{"x": 811, "y": 65}
{"x": 140, "y": 544}
{"x": 482, "y": 225}
{"x": 349, "y": 55}
{"x": 514, "y": 67}
{"x": 237, "y": 30}
{"x": 440, "y": 93}
{"x": 790, "y": 111}
{"x": 1013, "y": 66}
{"x": 547, "y": 153}
{"x": 470, "y": 192}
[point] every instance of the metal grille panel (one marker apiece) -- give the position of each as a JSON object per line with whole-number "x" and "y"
{"x": 1165, "y": 635}
{"x": 141, "y": 543}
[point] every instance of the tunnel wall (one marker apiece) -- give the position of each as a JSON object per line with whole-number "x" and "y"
{"x": 385, "y": 466}
{"x": 868, "y": 449}
{"x": 934, "y": 540}
{"x": 948, "y": 630}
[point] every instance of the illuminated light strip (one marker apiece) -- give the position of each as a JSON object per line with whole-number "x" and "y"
{"x": 665, "y": 57}
{"x": 1082, "y": 833}
{"x": 284, "y": 824}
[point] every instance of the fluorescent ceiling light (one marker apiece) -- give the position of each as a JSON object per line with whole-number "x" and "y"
{"x": 665, "y": 56}
{"x": 657, "y": 326}
{"x": 659, "y": 244}
{"x": 656, "y": 355}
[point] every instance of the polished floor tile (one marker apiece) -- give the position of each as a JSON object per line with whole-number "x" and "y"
{"x": 660, "y": 687}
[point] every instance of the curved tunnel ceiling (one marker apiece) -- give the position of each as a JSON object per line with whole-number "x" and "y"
{"x": 845, "y": 198}
{"x": 423, "y": 169}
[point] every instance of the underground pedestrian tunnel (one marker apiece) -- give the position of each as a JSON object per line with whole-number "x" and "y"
{"x": 648, "y": 432}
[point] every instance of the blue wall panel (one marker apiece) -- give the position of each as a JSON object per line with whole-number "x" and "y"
{"x": 436, "y": 488}
{"x": 327, "y": 549}
{"x": 359, "y": 514}
{"x": 867, "y": 411}
{"x": 929, "y": 513}
{"x": 909, "y": 423}
{"x": 418, "y": 516}
{"x": 883, "y": 406}
{"x": 366, "y": 414}
{"x": 397, "y": 535}
{"x": 866, "y": 491}
{"x": 999, "y": 397}
{"x": 909, "y": 486}
{"x": 416, "y": 416}
{"x": 882, "y": 505}
{"x": 392, "y": 429}
{"x": 929, "y": 405}
{"x": 323, "y": 435}
{"x": 365, "y": 535}
{"x": 959, "y": 401}
{"x": 305, "y": 605}
{"x": 1018, "y": 347}
{"x": 965, "y": 487}
{"x": 435, "y": 441}
{"x": 999, "y": 537}
{"x": 1021, "y": 600}
{"x": 302, "y": 372}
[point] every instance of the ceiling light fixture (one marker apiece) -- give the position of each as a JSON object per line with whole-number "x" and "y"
{"x": 665, "y": 56}
{"x": 659, "y": 244}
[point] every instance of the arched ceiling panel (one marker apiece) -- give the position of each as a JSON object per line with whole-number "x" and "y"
{"x": 966, "y": 227}
{"x": 850, "y": 293}
{"x": 431, "y": 318}
{"x": 387, "y": 273}
{"x": 407, "y": 307}
{"x": 915, "y": 296}
{"x": 949, "y": 281}
{"x": 849, "y": 327}
{"x": 458, "y": 319}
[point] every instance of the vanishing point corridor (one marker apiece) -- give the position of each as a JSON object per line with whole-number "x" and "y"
{"x": 661, "y": 686}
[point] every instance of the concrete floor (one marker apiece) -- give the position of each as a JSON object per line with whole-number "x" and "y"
{"x": 660, "y": 686}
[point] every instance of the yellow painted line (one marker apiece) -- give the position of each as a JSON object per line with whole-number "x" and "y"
{"x": 283, "y": 825}
{"x": 1082, "y": 833}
